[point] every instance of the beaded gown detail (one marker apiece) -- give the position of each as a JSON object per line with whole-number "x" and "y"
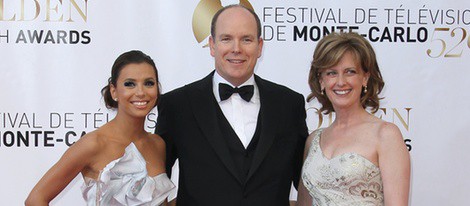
{"x": 346, "y": 179}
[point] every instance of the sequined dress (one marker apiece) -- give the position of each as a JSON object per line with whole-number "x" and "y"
{"x": 347, "y": 179}
{"x": 125, "y": 181}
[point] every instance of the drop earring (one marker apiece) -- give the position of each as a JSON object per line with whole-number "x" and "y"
{"x": 115, "y": 99}
{"x": 322, "y": 92}
{"x": 365, "y": 89}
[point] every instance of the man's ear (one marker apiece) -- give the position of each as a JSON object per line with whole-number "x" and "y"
{"x": 212, "y": 45}
{"x": 260, "y": 46}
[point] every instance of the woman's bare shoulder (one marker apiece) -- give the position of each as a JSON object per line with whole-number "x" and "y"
{"x": 91, "y": 143}
{"x": 155, "y": 140}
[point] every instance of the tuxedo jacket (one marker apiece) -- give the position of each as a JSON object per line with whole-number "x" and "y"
{"x": 187, "y": 121}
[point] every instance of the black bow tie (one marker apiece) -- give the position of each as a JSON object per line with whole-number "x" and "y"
{"x": 225, "y": 91}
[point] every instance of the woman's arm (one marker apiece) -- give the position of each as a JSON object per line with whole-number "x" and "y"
{"x": 303, "y": 196}
{"x": 62, "y": 173}
{"x": 394, "y": 164}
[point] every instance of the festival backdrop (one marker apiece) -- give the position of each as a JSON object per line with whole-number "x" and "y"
{"x": 56, "y": 55}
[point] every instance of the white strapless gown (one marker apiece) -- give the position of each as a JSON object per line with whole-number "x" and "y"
{"x": 125, "y": 181}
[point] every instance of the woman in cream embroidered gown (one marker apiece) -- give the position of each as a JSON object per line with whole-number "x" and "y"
{"x": 359, "y": 159}
{"x": 120, "y": 162}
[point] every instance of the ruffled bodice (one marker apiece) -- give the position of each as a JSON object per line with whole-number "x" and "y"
{"x": 125, "y": 181}
{"x": 348, "y": 179}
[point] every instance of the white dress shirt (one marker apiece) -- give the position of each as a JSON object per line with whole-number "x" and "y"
{"x": 241, "y": 115}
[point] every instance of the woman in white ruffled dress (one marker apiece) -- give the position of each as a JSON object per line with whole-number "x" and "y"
{"x": 121, "y": 163}
{"x": 359, "y": 160}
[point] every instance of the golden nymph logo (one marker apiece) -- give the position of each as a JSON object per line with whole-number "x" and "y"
{"x": 203, "y": 14}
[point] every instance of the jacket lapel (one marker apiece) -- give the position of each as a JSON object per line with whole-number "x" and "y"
{"x": 204, "y": 107}
{"x": 268, "y": 124}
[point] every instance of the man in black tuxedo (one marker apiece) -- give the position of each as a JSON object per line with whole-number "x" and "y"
{"x": 244, "y": 148}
